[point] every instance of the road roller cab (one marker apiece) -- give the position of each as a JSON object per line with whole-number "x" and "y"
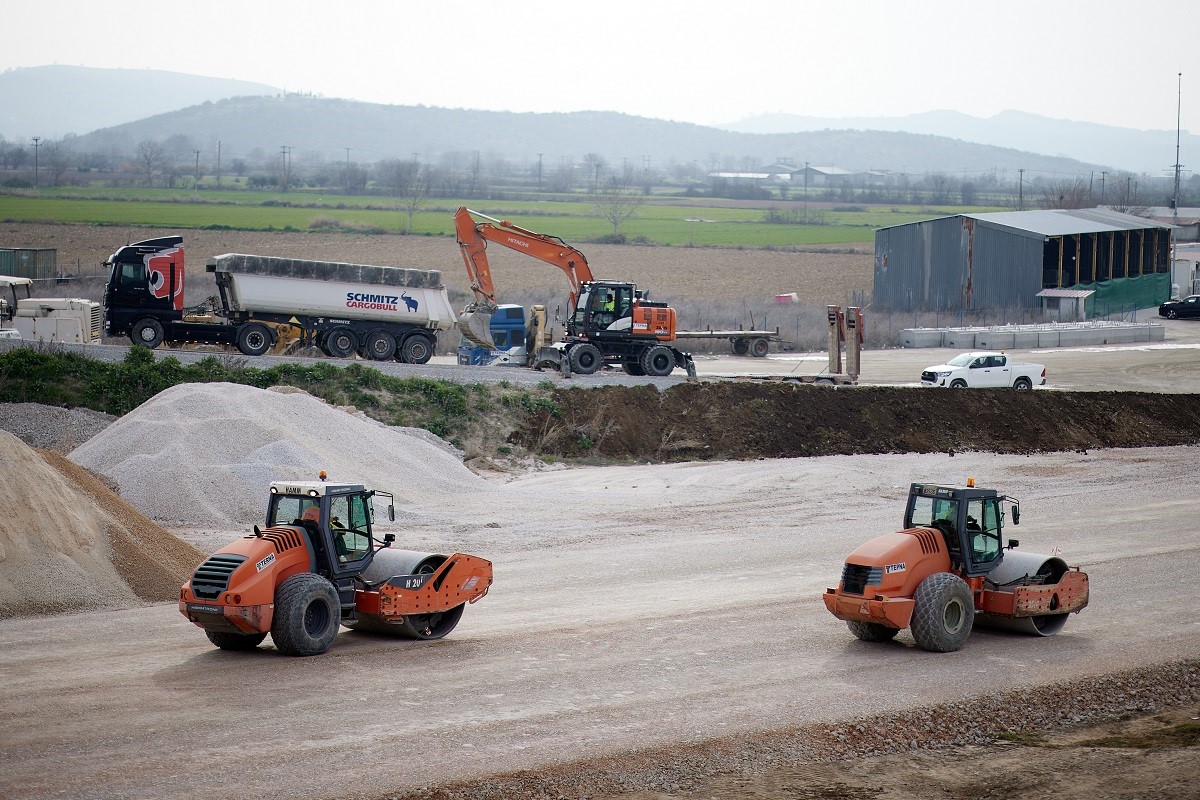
{"x": 319, "y": 564}
{"x": 949, "y": 569}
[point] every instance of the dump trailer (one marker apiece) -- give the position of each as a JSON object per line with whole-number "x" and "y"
{"x": 949, "y": 569}
{"x": 344, "y": 309}
{"x": 46, "y": 319}
{"x": 317, "y": 565}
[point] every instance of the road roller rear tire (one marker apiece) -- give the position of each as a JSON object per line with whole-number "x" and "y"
{"x": 871, "y": 631}
{"x": 943, "y": 613}
{"x": 235, "y": 641}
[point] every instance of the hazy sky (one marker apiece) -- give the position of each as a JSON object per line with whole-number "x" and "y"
{"x": 700, "y": 61}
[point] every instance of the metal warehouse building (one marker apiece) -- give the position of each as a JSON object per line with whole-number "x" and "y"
{"x": 1007, "y": 259}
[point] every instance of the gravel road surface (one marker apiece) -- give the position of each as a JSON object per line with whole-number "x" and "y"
{"x": 633, "y": 607}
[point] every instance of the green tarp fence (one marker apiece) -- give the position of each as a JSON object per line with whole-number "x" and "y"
{"x": 1122, "y": 295}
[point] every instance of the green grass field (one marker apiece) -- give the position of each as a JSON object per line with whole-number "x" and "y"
{"x": 685, "y": 222}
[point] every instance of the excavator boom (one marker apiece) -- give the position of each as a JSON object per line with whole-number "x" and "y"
{"x": 473, "y": 238}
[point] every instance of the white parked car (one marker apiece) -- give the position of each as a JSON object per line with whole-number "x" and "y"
{"x": 982, "y": 370}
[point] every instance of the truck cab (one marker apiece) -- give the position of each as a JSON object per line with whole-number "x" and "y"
{"x": 144, "y": 291}
{"x": 508, "y": 330}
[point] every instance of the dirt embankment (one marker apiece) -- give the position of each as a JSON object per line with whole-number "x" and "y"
{"x": 745, "y": 420}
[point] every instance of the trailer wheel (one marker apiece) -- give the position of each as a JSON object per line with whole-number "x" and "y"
{"x": 943, "y": 613}
{"x": 254, "y": 339}
{"x": 417, "y": 349}
{"x": 760, "y": 347}
{"x": 741, "y": 347}
{"x": 871, "y": 631}
{"x": 341, "y": 342}
{"x": 658, "y": 360}
{"x": 585, "y": 358}
{"x": 147, "y": 332}
{"x": 235, "y": 641}
{"x": 379, "y": 345}
{"x": 1023, "y": 384}
{"x": 307, "y": 615}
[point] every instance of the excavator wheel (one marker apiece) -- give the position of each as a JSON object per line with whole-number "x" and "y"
{"x": 943, "y": 613}
{"x": 871, "y": 631}
{"x": 307, "y": 615}
{"x": 585, "y": 358}
{"x": 658, "y": 361}
{"x": 235, "y": 641}
{"x": 632, "y": 368}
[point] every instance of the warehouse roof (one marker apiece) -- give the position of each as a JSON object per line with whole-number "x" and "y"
{"x": 1067, "y": 222}
{"x": 1058, "y": 222}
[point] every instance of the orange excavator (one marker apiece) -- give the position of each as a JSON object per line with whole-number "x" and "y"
{"x": 608, "y": 322}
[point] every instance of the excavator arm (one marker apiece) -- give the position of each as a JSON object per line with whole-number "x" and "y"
{"x": 473, "y": 238}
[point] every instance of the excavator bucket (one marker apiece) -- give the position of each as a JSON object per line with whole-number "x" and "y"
{"x": 475, "y": 323}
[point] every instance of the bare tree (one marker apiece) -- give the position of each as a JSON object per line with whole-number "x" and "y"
{"x": 396, "y": 176}
{"x": 1126, "y": 197}
{"x": 150, "y": 158}
{"x": 416, "y": 194}
{"x": 594, "y": 163}
{"x": 58, "y": 159}
{"x": 616, "y": 202}
{"x": 1062, "y": 194}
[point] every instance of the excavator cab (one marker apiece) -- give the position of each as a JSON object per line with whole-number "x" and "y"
{"x": 603, "y": 307}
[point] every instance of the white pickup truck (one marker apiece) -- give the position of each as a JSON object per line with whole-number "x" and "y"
{"x": 984, "y": 369}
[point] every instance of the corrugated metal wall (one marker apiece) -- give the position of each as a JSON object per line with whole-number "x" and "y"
{"x": 25, "y": 262}
{"x": 957, "y": 263}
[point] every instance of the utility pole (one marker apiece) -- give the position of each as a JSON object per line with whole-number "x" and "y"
{"x": 1178, "y": 166}
{"x": 37, "y": 138}
{"x": 196, "y": 178}
{"x": 218, "y": 163}
{"x": 539, "y": 172}
{"x": 1103, "y": 177}
{"x": 1021, "y": 189}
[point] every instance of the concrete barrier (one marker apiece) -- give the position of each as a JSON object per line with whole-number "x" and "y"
{"x": 1021, "y": 337}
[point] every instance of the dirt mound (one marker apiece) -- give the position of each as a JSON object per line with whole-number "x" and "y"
{"x": 50, "y": 427}
{"x": 744, "y": 420}
{"x": 69, "y": 544}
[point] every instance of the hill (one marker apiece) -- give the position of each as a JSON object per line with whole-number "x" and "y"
{"x": 1134, "y": 150}
{"x": 84, "y": 99}
{"x": 322, "y": 129}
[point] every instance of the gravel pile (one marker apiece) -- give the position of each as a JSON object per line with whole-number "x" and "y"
{"x": 51, "y": 427}
{"x": 203, "y": 454}
{"x": 67, "y": 543}
{"x": 983, "y": 720}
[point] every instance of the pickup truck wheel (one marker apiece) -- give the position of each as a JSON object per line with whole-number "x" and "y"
{"x": 307, "y": 615}
{"x": 253, "y": 339}
{"x": 379, "y": 345}
{"x": 871, "y": 631}
{"x": 1023, "y": 384}
{"x": 958, "y": 383}
{"x": 740, "y": 347}
{"x": 147, "y": 332}
{"x": 658, "y": 361}
{"x": 943, "y": 613}
{"x": 585, "y": 358}
{"x": 235, "y": 641}
{"x": 416, "y": 349}
{"x": 341, "y": 342}
{"x": 760, "y": 347}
